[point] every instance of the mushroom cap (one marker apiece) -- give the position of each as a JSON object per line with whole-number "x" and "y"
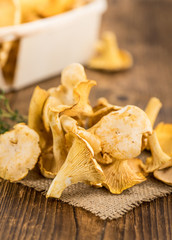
{"x": 35, "y": 121}
{"x": 164, "y": 173}
{"x": 121, "y": 175}
{"x": 74, "y": 92}
{"x": 72, "y": 75}
{"x": 19, "y": 152}
{"x": 47, "y": 164}
{"x": 164, "y": 135}
{"x": 81, "y": 98}
{"x": 121, "y": 132}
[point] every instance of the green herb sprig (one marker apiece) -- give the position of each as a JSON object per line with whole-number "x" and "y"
{"x": 8, "y": 117}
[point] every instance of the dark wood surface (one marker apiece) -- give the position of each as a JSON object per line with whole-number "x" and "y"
{"x": 144, "y": 28}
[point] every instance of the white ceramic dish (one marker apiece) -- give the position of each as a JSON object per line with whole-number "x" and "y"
{"x": 50, "y": 44}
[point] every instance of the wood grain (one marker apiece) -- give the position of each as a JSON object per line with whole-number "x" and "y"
{"x": 145, "y": 29}
{"x": 27, "y": 214}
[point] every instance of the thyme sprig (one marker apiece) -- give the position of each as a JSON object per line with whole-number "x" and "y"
{"x": 8, "y": 117}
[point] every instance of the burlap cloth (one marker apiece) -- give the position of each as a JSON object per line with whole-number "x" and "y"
{"x": 100, "y": 201}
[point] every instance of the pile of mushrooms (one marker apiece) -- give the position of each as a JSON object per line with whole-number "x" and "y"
{"x": 99, "y": 146}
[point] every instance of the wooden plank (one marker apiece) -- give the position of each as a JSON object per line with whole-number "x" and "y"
{"x": 149, "y": 221}
{"x": 88, "y": 225}
{"x": 27, "y": 214}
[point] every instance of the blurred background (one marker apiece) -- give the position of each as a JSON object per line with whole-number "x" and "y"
{"x": 145, "y": 29}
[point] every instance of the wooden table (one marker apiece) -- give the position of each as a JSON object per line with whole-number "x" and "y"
{"x": 144, "y": 28}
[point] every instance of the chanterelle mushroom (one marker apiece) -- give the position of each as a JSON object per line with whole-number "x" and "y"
{"x": 122, "y": 174}
{"x": 81, "y": 94}
{"x": 52, "y": 158}
{"x": 72, "y": 75}
{"x": 80, "y": 166}
{"x": 9, "y": 15}
{"x": 109, "y": 57}
{"x": 71, "y": 125}
{"x": 102, "y": 108}
{"x": 19, "y": 152}
{"x": 158, "y": 156}
{"x": 35, "y": 122}
{"x": 164, "y": 173}
{"x": 152, "y": 109}
{"x": 73, "y": 92}
{"x": 164, "y": 135}
{"x": 120, "y": 132}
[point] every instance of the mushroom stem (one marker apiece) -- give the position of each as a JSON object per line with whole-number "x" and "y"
{"x": 60, "y": 182}
{"x": 158, "y": 156}
{"x": 152, "y": 109}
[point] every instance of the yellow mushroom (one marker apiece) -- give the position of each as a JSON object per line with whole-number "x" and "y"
{"x": 31, "y": 9}
{"x": 35, "y": 116}
{"x": 158, "y": 156}
{"x": 164, "y": 173}
{"x": 71, "y": 125}
{"x": 72, "y": 75}
{"x": 19, "y": 152}
{"x": 152, "y": 109}
{"x": 80, "y": 166}
{"x": 102, "y": 108}
{"x": 46, "y": 163}
{"x": 108, "y": 56}
{"x": 73, "y": 92}
{"x": 52, "y": 159}
{"x": 56, "y": 98}
{"x": 164, "y": 135}
{"x": 9, "y": 15}
{"x": 104, "y": 158}
{"x": 81, "y": 94}
{"x": 121, "y": 175}
{"x": 103, "y": 102}
{"x": 120, "y": 132}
